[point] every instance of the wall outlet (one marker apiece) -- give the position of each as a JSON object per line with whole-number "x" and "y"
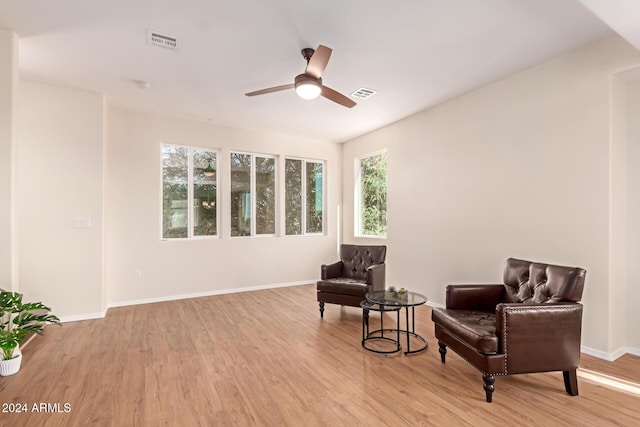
{"x": 138, "y": 274}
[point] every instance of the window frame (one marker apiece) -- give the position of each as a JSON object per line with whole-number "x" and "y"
{"x": 357, "y": 199}
{"x": 304, "y": 196}
{"x": 190, "y": 193}
{"x": 253, "y": 192}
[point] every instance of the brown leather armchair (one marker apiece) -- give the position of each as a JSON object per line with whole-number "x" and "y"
{"x": 361, "y": 269}
{"x": 531, "y": 323}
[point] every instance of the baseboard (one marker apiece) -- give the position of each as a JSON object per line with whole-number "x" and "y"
{"x": 610, "y": 356}
{"x": 435, "y": 304}
{"x": 87, "y": 316}
{"x": 208, "y": 293}
{"x": 633, "y": 350}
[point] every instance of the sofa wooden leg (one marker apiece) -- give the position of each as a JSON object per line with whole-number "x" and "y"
{"x": 571, "y": 382}
{"x": 442, "y": 348}
{"x": 487, "y": 383}
{"x": 321, "y": 310}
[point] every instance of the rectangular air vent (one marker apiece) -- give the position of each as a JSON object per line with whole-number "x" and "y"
{"x": 363, "y": 93}
{"x": 166, "y": 41}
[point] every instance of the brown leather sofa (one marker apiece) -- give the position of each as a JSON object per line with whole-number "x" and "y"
{"x": 531, "y": 323}
{"x": 361, "y": 269}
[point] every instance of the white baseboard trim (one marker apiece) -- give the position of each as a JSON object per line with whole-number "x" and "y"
{"x": 609, "y": 356}
{"x": 87, "y": 316}
{"x": 435, "y": 304}
{"x": 208, "y": 293}
{"x": 633, "y": 350}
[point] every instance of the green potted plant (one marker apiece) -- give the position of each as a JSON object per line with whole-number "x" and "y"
{"x": 17, "y": 319}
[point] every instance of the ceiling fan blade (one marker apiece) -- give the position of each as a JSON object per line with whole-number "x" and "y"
{"x": 318, "y": 61}
{"x": 271, "y": 89}
{"x": 337, "y": 97}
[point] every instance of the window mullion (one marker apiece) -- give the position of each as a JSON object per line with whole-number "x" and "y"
{"x": 190, "y": 196}
{"x": 303, "y": 202}
{"x": 253, "y": 197}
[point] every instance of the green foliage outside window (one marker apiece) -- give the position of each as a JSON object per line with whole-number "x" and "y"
{"x": 293, "y": 196}
{"x": 373, "y": 193}
{"x": 240, "y": 194}
{"x": 304, "y": 197}
{"x": 176, "y": 200}
{"x": 314, "y": 198}
{"x": 174, "y": 191}
{"x": 253, "y": 193}
{"x": 265, "y": 195}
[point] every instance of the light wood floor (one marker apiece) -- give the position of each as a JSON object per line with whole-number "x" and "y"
{"x": 266, "y": 358}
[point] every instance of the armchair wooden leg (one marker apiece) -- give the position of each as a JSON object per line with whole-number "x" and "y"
{"x": 442, "y": 348}
{"x": 571, "y": 382}
{"x": 321, "y": 310}
{"x": 487, "y": 383}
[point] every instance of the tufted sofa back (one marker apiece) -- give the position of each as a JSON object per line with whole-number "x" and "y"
{"x": 356, "y": 259}
{"x": 532, "y": 282}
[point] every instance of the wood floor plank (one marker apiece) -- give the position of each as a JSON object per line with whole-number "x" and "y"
{"x": 267, "y": 358}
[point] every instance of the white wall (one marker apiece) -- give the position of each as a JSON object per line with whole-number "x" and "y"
{"x": 78, "y": 158}
{"x": 8, "y": 96}
{"x": 618, "y": 234}
{"x": 633, "y": 166}
{"x": 518, "y": 168}
{"x": 59, "y": 178}
{"x": 177, "y": 268}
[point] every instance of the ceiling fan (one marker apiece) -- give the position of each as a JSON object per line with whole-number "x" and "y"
{"x": 308, "y": 85}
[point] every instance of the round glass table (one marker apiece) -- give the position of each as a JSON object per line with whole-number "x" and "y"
{"x": 410, "y": 300}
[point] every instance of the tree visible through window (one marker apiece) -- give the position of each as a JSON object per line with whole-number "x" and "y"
{"x": 372, "y": 186}
{"x": 314, "y": 197}
{"x": 189, "y": 192}
{"x": 253, "y": 195}
{"x": 240, "y": 194}
{"x": 304, "y": 197}
{"x": 265, "y": 195}
{"x": 205, "y": 193}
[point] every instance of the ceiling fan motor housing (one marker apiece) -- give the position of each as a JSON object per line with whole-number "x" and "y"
{"x": 307, "y": 53}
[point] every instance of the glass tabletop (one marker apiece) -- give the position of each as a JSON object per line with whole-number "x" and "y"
{"x": 382, "y": 297}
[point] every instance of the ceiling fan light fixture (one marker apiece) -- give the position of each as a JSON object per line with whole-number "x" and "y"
{"x": 308, "y": 87}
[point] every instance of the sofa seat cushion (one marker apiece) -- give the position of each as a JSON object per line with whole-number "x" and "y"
{"x": 475, "y": 328}
{"x": 343, "y": 285}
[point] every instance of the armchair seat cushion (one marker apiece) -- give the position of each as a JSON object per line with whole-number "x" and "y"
{"x": 476, "y": 328}
{"x": 344, "y": 285}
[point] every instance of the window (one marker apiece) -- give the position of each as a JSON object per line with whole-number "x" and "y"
{"x": 189, "y": 192}
{"x": 304, "y": 197}
{"x": 371, "y": 195}
{"x": 253, "y": 195}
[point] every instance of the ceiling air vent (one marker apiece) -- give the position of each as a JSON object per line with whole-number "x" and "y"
{"x": 363, "y": 93}
{"x": 166, "y": 41}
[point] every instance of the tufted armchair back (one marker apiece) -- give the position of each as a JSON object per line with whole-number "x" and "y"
{"x": 532, "y": 282}
{"x": 357, "y": 259}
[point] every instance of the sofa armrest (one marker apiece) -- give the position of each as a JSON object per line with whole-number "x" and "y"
{"x": 376, "y": 277}
{"x": 331, "y": 271}
{"x": 474, "y": 297}
{"x": 540, "y": 337}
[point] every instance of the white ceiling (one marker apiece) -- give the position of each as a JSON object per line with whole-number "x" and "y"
{"x": 415, "y": 53}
